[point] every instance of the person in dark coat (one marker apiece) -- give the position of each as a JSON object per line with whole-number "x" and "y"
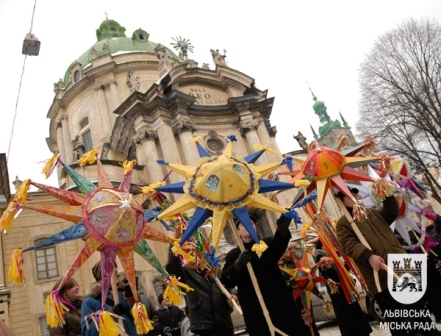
{"x": 169, "y": 317}
{"x": 350, "y": 318}
{"x": 281, "y": 306}
{"x": 209, "y": 310}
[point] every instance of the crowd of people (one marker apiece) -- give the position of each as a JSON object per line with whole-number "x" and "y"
{"x": 208, "y": 310}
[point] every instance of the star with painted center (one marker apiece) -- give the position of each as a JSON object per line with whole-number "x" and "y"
{"x": 212, "y": 195}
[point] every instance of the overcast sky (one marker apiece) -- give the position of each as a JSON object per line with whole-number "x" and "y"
{"x": 281, "y": 46}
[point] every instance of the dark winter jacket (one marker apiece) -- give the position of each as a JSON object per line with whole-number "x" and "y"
{"x": 170, "y": 317}
{"x": 276, "y": 294}
{"x": 72, "y": 327}
{"x": 208, "y": 306}
{"x": 379, "y": 236}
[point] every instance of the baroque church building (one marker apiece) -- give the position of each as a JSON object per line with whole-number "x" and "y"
{"x": 131, "y": 98}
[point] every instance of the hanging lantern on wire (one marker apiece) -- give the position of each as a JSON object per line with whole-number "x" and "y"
{"x": 31, "y": 45}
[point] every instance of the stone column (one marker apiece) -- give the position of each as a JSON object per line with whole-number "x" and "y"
{"x": 266, "y": 141}
{"x": 66, "y": 140}
{"x": 272, "y": 134}
{"x": 249, "y": 129}
{"x": 104, "y": 112}
{"x": 115, "y": 96}
{"x": 147, "y": 153}
{"x": 169, "y": 149}
{"x": 184, "y": 129}
{"x": 60, "y": 141}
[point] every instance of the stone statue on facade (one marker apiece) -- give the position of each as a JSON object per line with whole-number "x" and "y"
{"x": 301, "y": 140}
{"x": 161, "y": 53}
{"x": 218, "y": 58}
{"x": 78, "y": 148}
{"x": 132, "y": 81}
{"x": 164, "y": 65}
{"x": 183, "y": 45}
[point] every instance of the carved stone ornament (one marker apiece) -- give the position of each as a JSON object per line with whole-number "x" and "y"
{"x": 248, "y": 125}
{"x": 272, "y": 131}
{"x": 301, "y": 140}
{"x": 237, "y": 86}
{"x": 218, "y": 58}
{"x": 161, "y": 54}
{"x": 105, "y": 48}
{"x": 132, "y": 81}
{"x": 183, "y": 126}
{"x": 144, "y": 134}
{"x": 214, "y": 143}
{"x": 93, "y": 53}
{"x": 78, "y": 148}
{"x": 205, "y": 66}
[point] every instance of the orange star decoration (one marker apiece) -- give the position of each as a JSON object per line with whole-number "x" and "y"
{"x": 326, "y": 168}
{"x": 304, "y": 280}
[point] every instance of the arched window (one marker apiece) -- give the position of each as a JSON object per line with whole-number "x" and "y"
{"x": 77, "y": 76}
{"x": 86, "y": 134}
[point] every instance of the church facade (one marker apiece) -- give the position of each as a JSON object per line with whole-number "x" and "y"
{"x": 131, "y": 98}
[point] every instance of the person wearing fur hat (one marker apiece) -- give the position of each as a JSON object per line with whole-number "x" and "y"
{"x": 92, "y": 303}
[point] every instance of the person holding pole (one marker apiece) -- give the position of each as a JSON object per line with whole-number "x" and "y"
{"x": 277, "y": 297}
{"x": 209, "y": 310}
{"x": 382, "y": 241}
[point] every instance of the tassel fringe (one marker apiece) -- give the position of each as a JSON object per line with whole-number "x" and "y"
{"x": 89, "y": 157}
{"x": 128, "y": 166}
{"x": 107, "y": 324}
{"x": 359, "y": 211}
{"x": 22, "y": 192}
{"x": 173, "y": 290}
{"x": 16, "y": 271}
{"x": 54, "y": 310}
{"x": 8, "y": 216}
{"x": 50, "y": 165}
{"x": 142, "y": 323}
{"x": 382, "y": 189}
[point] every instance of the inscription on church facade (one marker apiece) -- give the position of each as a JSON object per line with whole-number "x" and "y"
{"x": 206, "y": 96}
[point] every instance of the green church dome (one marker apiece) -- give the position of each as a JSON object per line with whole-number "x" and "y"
{"x": 112, "y": 39}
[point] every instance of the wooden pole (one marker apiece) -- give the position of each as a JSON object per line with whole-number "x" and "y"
{"x": 361, "y": 239}
{"x": 116, "y": 300}
{"x": 228, "y": 295}
{"x": 271, "y": 326}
